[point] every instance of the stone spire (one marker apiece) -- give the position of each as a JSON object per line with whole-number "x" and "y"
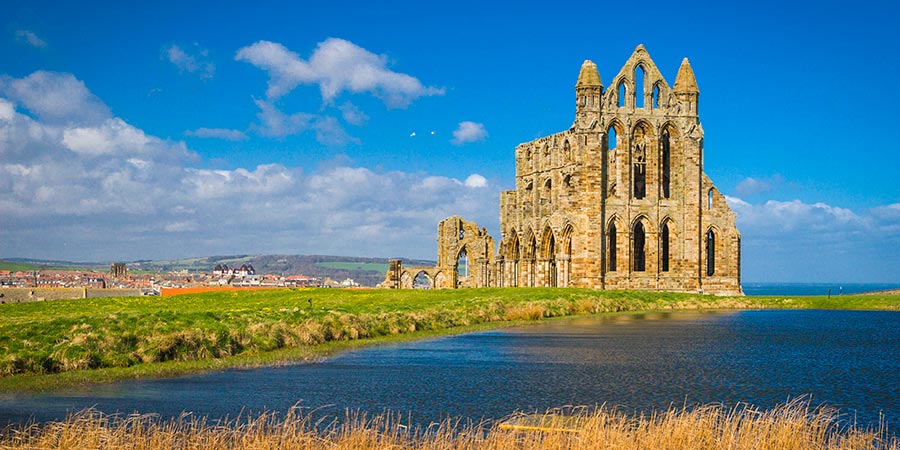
{"x": 685, "y": 81}
{"x": 589, "y": 76}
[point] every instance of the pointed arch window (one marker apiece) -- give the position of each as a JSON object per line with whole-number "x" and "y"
{"x": 622, "y": 90}
{"x": 612, "y": 247}
{"x": 656, "y": 96}
{"x": 462, "y": 264}
{"x": 639, "y": 76}
{"x": 551, "y": 262}
{"x": 664, "y": 248}
{"x": 665, "y": 163}
{"x": 710, "y": 253}
{"x": 638, "y": 247}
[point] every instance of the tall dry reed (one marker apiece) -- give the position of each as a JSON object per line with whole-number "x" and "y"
{"x": 795, "y": 425}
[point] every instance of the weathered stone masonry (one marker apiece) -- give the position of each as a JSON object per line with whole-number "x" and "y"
{"x": 617, "y": 201}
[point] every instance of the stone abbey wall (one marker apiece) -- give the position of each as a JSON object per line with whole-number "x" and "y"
{"x": 617, "y": 201}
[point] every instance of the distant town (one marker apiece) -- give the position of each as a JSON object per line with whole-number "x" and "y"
{"x": 151, "y": 283}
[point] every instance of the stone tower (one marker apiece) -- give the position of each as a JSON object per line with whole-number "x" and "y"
{"x": 620, "y": 199}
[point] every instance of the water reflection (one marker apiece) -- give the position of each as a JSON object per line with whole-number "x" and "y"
{"x": 848, "y": 359}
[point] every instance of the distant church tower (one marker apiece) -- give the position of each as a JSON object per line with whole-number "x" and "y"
{"x": 617, "y": 201}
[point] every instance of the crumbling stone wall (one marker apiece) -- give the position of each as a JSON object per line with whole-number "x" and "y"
{"x": 617, "y": 201}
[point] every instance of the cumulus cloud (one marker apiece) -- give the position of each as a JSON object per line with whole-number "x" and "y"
{"x": 468, "y": 132}
{"x": 476, "y": 181}
{"x": 30, "y": 38}
{"x": 194, "y": 61}
{"x": 55, "y": 98}
{"x": 109, "y": 190}
{"x": 801, "y": 241}
{"x": 217, "y": 133}
{"x": 335, "y": 66}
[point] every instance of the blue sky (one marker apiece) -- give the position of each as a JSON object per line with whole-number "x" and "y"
{"x": 171, "y": 130}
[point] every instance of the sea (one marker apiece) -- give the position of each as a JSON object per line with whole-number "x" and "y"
{"x": 795, "y": 289}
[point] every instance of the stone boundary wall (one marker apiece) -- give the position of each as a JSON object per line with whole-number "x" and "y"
{"x": 22, "y": 295}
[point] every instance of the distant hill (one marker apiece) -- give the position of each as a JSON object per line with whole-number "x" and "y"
{"x": 365, "y": 271}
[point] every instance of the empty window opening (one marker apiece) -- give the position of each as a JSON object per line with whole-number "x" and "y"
{"x": 638, "y": 250}
{"x": 611, "y": 138}
{"x": 548, "y": 191}
{"x": 551, "y": 262}
{"x": 622, "y": 91}
{"x": 710, "y": 253}
{"x": 664, "y": 248}
{"x": 639, "y": 86}
{"x": 612, "y": 247}
{"x": 462, "y": 264}
{"x": 656, "y": 97}
{"x": 709, "y": 200}
{"x": 421, "y": 281}
{"x": 666, "y": 169}
{"x": 514, "y": 254}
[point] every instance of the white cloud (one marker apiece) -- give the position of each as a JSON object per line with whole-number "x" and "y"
{"x": 218, "y": 133}
{"x": 752, "y": 186}
{"x": 335, "y": 66}
{"x": 476, "y": 181}
{"x": 196, "y": 62}
{"x": 330, "y": 132}
{"x": 469, "y": 132}
{"x": 274, "y": 123}
{"x": 113, "y": 136}
{"x": 798, "y": 241}
{"x": 353, "y": 115}
{"x": 7, "y": 110}
{"x": 30, "y": 38}
{"x": 55, "y": 98}
{"x": 109, "y": 190}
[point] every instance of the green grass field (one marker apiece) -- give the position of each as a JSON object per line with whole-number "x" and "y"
{"x": 341, "y": 265}
{"x": 67, "y": 341}
{"x": 17, "y": 267}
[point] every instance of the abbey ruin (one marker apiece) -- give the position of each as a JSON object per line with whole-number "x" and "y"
{"x": 617, "y": 201}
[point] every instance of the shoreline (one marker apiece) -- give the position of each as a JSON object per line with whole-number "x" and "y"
{"x": 477, "y": 310}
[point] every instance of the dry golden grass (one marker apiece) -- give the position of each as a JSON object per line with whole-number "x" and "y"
{"x": 793, "y": 426}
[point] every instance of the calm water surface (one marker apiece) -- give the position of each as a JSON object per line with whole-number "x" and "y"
{"x": 848, "y": 359}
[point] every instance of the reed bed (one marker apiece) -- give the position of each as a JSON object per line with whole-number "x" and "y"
{"x": 795, "y": 425}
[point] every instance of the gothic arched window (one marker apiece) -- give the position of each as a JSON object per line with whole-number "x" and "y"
{"x": 638, "y": 251}
{"x": 664, "y": 248}
{"x": 612, "y": 247}
{"x": 710, "y": 253}
{"x": 665, "y": 163}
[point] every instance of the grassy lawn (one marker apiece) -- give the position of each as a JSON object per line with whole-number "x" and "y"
{"x": 343, "y": 265}
{"x": 58, "y": 343}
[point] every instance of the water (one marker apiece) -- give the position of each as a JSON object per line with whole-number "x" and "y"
{"x": 847, "y": 359}
{"x": 814, "y": 288}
